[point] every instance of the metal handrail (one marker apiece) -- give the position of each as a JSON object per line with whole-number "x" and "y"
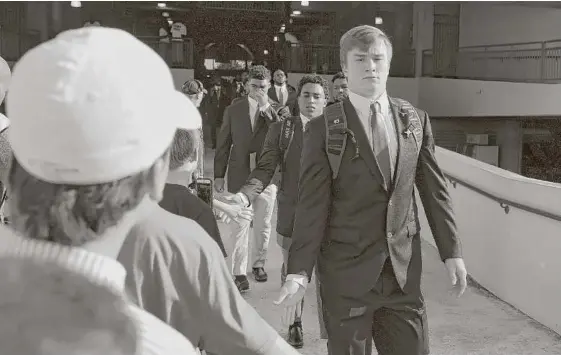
{"x": 504, "y": 203}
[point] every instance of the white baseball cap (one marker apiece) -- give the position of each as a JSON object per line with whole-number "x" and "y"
{"x": 93, "y": 105}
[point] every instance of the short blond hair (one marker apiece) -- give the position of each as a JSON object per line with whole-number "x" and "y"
{"x": 362, "y": 37}
{"x": 46, "y": 309}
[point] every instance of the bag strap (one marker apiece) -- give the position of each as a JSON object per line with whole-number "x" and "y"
{"x": 286, "y": 136}
{"x": 336, "y": 135}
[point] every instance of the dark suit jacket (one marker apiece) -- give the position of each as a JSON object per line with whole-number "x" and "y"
{"x": 214, "y": 105}
{"x": 291, "y": 101}
{"x": 354, "y": 223}
{"x": 272, "y": 157}
{"x": 236, "y": 141}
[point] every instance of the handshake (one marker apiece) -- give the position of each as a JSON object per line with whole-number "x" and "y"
{"x": 230, "y": 207}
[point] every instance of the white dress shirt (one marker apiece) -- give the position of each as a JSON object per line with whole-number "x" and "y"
{"x": 305, "y": 121}
{"x": 253, "y": 106}
{"x": 282, "y": 89}
{"x": 156, "y": 338}
{"x": 362, "y": 107}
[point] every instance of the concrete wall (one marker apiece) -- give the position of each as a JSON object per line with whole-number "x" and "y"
{"x": 508, "y": 134}
{"x": 514, "y": 255}
{"x": 492, "y": 23}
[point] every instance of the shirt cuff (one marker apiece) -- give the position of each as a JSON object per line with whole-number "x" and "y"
{"x": 264, "y": 107}
{"x": 299, "y": 279}
{"x": 244, "y": 198}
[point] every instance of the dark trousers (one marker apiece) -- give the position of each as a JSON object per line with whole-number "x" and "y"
{"x": 396, "y": 321}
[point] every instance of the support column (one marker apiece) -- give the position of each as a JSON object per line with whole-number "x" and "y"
{"x": 423, "y": 26}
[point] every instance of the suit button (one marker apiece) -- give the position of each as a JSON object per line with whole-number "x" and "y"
{"x": 390, "y": 235}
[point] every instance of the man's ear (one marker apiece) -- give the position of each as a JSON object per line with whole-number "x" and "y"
{"x": 160, "y": 171}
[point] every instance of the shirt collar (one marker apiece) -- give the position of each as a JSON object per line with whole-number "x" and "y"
{"x": 305, "y": 120}
{"x": 252, "y": 101}
{"x": 362, "y": 104}
{"x": 97, "y": 268}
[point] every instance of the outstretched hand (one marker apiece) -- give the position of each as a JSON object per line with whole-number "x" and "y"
{"x": 233, "y": 207}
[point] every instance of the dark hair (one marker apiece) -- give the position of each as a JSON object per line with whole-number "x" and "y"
{"x": 339, "y": 75}
{"x": 282, "y": 70}
{"x": 183, "y": 148}
{"x": 314, "y": 79}
{"x": 259, "y": 72}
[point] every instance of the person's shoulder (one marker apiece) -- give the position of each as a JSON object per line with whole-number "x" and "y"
{"x": 403, "y": 104}
{"x": 175, "y": 237}
{"x": 157, "y": 337}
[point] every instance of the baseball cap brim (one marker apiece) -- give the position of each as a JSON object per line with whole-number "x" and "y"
{"x": 184, "y": 113}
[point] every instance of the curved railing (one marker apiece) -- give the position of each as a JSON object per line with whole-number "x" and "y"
{"x": 510, "y": 227}
{"x": 517, "y": 62}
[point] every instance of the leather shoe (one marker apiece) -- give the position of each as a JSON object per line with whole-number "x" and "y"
{"x": 260, "y": 274}
{"x": 242, "y": 283}
{"x": 296, "y": 335}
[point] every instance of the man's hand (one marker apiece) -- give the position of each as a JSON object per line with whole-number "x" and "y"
{"x": 219, "y": 184}
{"x": 261, "y": 97}
{"x": 458, "y": 274}
{"x": 236, "y": 199}
{"x": 291, "y": 294}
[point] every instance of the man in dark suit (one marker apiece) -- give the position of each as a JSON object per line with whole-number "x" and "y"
{"x": 283, "y": 93}
{"x": 215, "y": 103}
{"x": 362, "y": 227}
{"x": 312, "y": 98}
{"x": 239, "y": 144}
{"x": 339, "y": 87}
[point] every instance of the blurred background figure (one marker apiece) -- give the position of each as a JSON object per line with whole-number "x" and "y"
{"x": 5, "y": 150}
{"x": 195, "y": 90}
{"x": 340, "y": 87}
{"x": 63, "y": 313}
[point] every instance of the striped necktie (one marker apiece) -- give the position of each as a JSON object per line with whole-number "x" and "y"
{"x": 381, "y": 142}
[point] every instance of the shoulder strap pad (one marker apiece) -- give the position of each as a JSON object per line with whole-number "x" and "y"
{"x": 336, "y": 136}
{"x": 286, "y": 135}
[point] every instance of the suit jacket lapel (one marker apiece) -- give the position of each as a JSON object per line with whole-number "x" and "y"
{"x": 244, "y": 112}
{"x": 273, "y": 93}
{"x": 400, "y": 119}
{"x": 366, "y": 152}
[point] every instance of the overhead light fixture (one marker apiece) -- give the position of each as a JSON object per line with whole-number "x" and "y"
{"x": 305, "y": 3}
{"x": 75, "y": 4}
{"x": 161, "y": 4}
{"x": 276, "y": 39}
{"x": 265, "y": 52}
{"x": 378, "y": 20}
{"x": 165, "y": 14}
{"x": 296, "y": 12}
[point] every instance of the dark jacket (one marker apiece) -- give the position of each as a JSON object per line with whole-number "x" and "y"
{"x": 180, "y": 201}
{"x": 272, "y": 157}
{"x": 291, "y": 101}
{"x": 351, "y": 225}
{"x": 236, "y": 141}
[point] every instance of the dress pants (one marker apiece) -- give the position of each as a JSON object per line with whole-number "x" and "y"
{"x": 263, "y": 207}
{"x": 284, "y": 243}
{"x": 396, "y": 321}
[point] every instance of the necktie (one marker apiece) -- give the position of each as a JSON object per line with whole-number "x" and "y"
{"x": 256, "y": 119}
{"x": 281, "y": 97}
{"x": 381, "y": 142}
